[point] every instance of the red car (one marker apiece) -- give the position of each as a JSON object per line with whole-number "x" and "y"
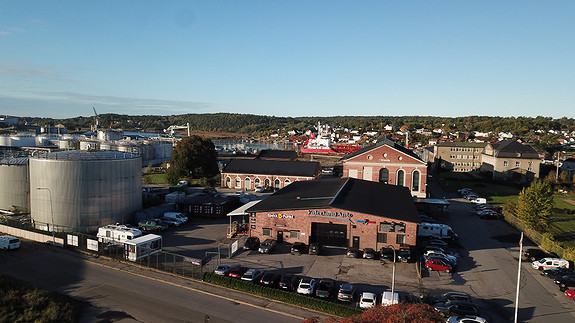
{"x": 570, "y": 293}
{"x": 237, "y": 271}
{"x": 439, "y": 265}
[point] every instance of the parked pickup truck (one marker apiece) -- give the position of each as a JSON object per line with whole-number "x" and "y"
{"x": 152, "y": 225}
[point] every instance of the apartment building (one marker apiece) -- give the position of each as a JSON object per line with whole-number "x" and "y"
{"x": 458, "y": 156}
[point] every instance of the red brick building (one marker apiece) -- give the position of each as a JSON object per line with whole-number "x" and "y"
{"x": 390, "y": 163}
{"x": 247, "y": 174}
{"x": 342, "y": 212}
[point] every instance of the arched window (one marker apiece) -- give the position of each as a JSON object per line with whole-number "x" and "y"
{"x": 257, "y": 181}
{"x": 247, "y": 183}
{"x": 228, "y": 182}
{"x": 401, "y": 177}
{"x": 384, "y": 175}
{"x": 277, "y": 184}
{"x": 286, "y": 182}
{"x": 267, "y": 182}
{"x": 238, "y": 182}
{"x": 415, "y": 181}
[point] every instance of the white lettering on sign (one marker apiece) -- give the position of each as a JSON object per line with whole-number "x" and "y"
{"x": 328, "y": 213}
{"x": 281, "y": 216}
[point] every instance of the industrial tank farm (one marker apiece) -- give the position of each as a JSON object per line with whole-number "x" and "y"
{"x": 81, "y": 190}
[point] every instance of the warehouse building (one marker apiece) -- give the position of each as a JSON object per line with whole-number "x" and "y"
{"x": 343, "y": 212}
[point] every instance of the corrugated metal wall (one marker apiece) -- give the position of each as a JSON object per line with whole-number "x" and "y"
{"x": 14, "y": 187}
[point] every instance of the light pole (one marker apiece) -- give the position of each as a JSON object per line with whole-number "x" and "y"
{"x": 392, "y": 272}
{"x": 51, "y": 213}
{"x": 558, "y": 161}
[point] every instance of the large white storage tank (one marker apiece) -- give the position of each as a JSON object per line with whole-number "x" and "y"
{"x": 15, "y": 188}
{"x": 18, "y": 140}
{"x": 81, "y": 191}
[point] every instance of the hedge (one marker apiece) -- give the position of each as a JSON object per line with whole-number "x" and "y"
{"x": 282, "y": 296}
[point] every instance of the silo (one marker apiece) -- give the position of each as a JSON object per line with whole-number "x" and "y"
{"x": 15, "y": 188}
{"x": 81, "y": 191}
{"x": 89, "y": 145}
{"x": 108, "y": 146}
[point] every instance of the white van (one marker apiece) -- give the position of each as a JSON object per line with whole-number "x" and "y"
{"x": 478, "y": 200}
{"x": 9, "y": 243}
{"x": 548, "y": 263}
{"x": 117, "y": 233}
{"x": 436, "y": 230}
{"x": 176, "y": 216}
{"x": 388, "y": 299}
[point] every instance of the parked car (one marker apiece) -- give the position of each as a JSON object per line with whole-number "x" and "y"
{"x": 222, "y": 270}
{"x": 298, "y": 248}
{"x": 270, "y": 278}
{"x": 352, "y": 253}
{"x": 437, "y": 243}
{"x": 565, "y": 282}
{"x": 439, "y": 265}
{"x": 170, "y": 222}
{"x": 548, "y": 263}
{"x": 306, "y": 286}
{"x": 152, "y": 225}
{"x": 466, "y": 319}
{"x": 288, "y": 282}
{"x": 570, "y": 293}
{"x": 452, "y": 296}
{"x": 556, "y": 272}
{"x": 388, "y": 298}
{"x": 252, "y": 243}
{"x": 314, "y": 248}
{"x": 267, "y": 246}
{"x": 404, "y": 255}
{"x": 441, "y": 257}
{"x": 434, "y": 253}
{"x": 490, "y": 214}
{"x": 533, "y": 254}
{"x": 367, "y": 300}
{"x": 260, "y": 189}
{"x": 252, "y": 275}
{"x": 387, "y": 254}
{"x": 346, "y": 293}
{"x": 451, "y": 308}
{"x": 368, "y": 253}
{"x": 237, "y": 271}
{"x": 325, "y": 288}
{"x": 464, "y": 191}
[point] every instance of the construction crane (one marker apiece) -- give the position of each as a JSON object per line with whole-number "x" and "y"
{"x": 171, "y": 129}
{"x": 96, "y": 125}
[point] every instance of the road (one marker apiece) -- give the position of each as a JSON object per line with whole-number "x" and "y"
{"x": 118, "y": 295}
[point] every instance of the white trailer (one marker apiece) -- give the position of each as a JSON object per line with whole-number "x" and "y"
{"x": 436, "y": 230}
{"x": 143, "y": 246}
{"x": 117, "y": 233}
{"x": 9, "y": 243}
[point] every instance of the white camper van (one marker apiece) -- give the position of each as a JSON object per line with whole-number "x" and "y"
{"x": 9, "y": 243}
{"x": 117, "y": 233}
{"x": 176, "y": 216}
{"x": 436, "y": 230}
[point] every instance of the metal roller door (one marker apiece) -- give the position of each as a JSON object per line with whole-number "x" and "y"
{"x": 329, "y": 234}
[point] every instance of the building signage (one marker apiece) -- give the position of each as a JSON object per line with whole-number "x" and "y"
{"x": 329, "y": 213}
{"x": 281, "y": 216}
{"x": 366, "y": 221}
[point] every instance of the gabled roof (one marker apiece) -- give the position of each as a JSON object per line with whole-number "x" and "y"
{"x": 513, "y": 149}
{"x": 381, "y": 142}
{"x": 462, "y": 144}
{"x": 277, "y": 154}
{"x": 272, "y": 167}
{"x": 354, "y": 195}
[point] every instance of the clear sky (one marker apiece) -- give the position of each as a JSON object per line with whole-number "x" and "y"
{"x": 59, "y": 58}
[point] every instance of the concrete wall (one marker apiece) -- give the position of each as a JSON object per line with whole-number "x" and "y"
{"x": 29, "y": 235}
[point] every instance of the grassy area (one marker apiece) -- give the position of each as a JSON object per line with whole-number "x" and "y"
{"x": 21, "y": 302}
{"x": 154, "y": 178}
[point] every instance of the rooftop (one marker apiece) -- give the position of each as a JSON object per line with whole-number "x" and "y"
{"x": 87, "y": 155}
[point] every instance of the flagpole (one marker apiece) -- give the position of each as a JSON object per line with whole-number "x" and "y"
{"x": 518, "y": 277}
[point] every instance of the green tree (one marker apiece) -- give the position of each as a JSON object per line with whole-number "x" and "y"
{"x": 193, "y": 157}
{"x": 534, "y": 205}
{"x": 563, "y": 177}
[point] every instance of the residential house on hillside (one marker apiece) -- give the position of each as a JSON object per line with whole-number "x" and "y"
{"x": 458, "y": 156}
{"x": 511, "y": 160}
{"x": 247, "y": 174}
{"x": 568, "y": 166}
{"x": 387, "y": 162}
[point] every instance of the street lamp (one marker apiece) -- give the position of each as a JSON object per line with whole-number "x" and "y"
{"x": 392, "y": 272}
{"x": 51, "y": 213}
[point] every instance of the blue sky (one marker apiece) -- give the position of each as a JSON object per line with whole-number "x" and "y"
{"x": 287, "y": 58}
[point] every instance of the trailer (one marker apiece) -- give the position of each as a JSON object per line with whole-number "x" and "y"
{"x": 143, "y": 246}
{"x": 117, "y": 233}
{"x": 436, "y": 230}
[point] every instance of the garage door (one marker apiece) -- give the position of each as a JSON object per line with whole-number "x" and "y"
{"x": 329, "y": 234}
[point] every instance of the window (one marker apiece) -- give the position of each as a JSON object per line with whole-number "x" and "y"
{"x": 257, "y": 182}
{"x": 267, "y": 182}
{"x": 400, "y": 239}
{"x": 400, "y": 177}
{"x": 399, "y": 227}
{"x": 382, "y": 237}
{"x": 228, "y": 182}
{"x": 294, "y": 234}
{"x": 517, "y": 163}
{"x": 384, "y": 175}
{"x": 415, "y": 181}
{"x": 286, "y": 182}
{"x": 277, "y": 184}
{"x": 266, "y": 232}
{"x": 505, "y": 163}
{"x": 385, "y": 227}
{"x": 247, "y": 183}
{"x": 238, "y": 182}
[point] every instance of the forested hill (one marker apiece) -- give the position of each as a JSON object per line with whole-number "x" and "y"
{"x": 260, "y": 125}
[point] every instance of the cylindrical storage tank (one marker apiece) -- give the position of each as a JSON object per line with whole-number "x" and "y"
{"x": 18, "y": 140}
{"x": 130, "y": 148}
{"x": 108, "y": 146}
{"x": 66, "y": 144}
{"x": 81, "y": 191}
{"x": 89, "y": 145}
{"x": 15, "y": 188}
{"x": 109, "y": 134}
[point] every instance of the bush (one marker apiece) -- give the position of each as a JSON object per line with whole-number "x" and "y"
{"x": 282, "y": 296}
